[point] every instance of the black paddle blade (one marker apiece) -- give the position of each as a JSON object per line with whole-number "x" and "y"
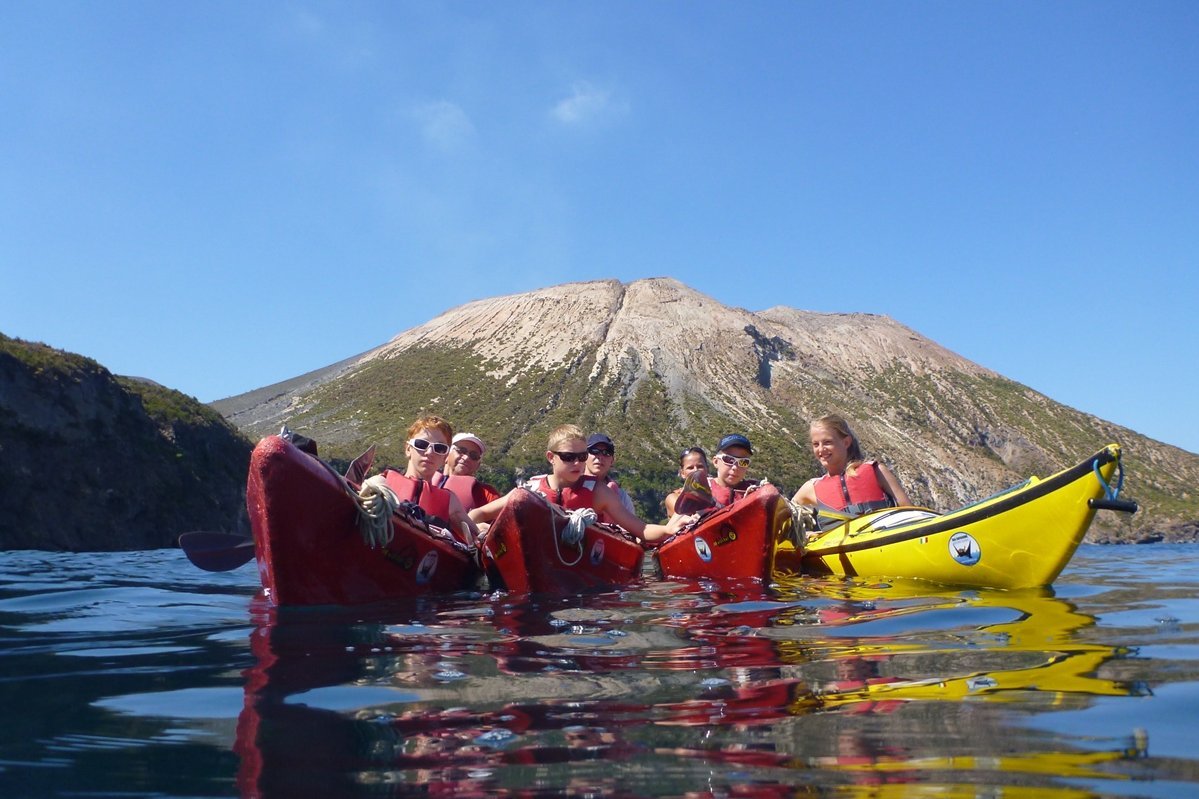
{"x": 216, "y": 552}
{"x": 356, "y": 473}
{"x": 696, "y": 496}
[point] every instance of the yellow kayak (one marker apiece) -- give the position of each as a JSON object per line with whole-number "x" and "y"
{"x": 1020, "y": 538}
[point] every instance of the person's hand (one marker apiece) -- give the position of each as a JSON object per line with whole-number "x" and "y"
{"x": 678, "y": 522}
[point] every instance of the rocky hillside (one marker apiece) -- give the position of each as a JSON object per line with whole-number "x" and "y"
{"x": 659, "y": 367}
{"x": 91, "y": 461}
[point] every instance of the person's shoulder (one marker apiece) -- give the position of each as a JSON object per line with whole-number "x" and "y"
{"x": 486, "y": 491}
{"x": 806, "y": 491}
{"x": 598, "y": 486}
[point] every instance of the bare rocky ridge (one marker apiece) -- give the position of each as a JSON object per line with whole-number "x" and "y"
{"x": 659, "y": 365}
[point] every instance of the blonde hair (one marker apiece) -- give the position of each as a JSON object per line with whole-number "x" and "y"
{"x": 837, "y": 424}
{"x": 431, "y": 423}
{"x": 562, "y": 434}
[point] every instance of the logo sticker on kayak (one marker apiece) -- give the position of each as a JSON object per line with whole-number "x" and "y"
{"x": 428, "y": 565}
{"x": 702, "y": 549}
{"x": 964, "y": 549}
{"x": 984, "y": 682}
{"x": 597, "y": 552}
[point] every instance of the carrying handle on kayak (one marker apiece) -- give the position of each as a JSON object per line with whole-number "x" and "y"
{"x": 1122, "y": 505}
{"x": 1111, "y": 497}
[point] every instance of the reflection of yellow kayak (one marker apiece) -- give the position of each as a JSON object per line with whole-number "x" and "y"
{"x": 1063, "y": 674}
{"x": 1020, "y": 538}
{"x": 1040, "y": 651}
{"x": 1075, "y": 765}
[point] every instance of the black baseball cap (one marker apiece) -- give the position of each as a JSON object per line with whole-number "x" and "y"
{"x": 735, "y": 440}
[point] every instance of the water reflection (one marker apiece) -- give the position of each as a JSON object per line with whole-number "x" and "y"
{"x": 657, "y": 691}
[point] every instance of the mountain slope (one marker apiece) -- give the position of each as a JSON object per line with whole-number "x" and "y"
{"x": 660, "y": 366}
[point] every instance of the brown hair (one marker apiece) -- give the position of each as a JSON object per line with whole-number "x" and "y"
{"x": 431, "y": 423}
{"x": 837, "y": 424}
{"x": 562, "y": 434}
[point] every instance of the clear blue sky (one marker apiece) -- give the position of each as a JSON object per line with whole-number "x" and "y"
{"x": 222, "y": 195}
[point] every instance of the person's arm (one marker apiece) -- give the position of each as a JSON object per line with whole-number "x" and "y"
{"x": 653, "y": 532}
{"x": 488, "y": 512}
{"x": 806, "y": 495}
{"x": 606, "y": 502}
{"x": 461, "y": 522}
{"x": 891, "y": 484}
{"x": 668, "y": 503}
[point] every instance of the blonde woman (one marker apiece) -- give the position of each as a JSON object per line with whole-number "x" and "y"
{"x": 851, "y": 484}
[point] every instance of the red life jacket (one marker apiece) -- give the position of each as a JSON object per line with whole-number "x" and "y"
{"x": 471, "y": 491}
{"x": 459, "y": 485}
{"x": 580, "y": 495}
{"x": 727, "y": 496}
{"x": 434, "y": 501}
{"x": 855, "y": 494}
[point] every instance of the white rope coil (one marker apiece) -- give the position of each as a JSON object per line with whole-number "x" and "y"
{"x": 579, "y": 521}
{"x": 376, "y": 503}
{"x": 803, "y": 523}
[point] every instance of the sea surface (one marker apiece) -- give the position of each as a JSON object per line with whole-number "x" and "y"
{"x": 137, "y": 675}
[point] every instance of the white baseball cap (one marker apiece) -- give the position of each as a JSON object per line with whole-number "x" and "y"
{"x": 472, "y": 438}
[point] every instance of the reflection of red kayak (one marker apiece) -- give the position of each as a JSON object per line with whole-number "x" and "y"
{"x": 763, "y": 702}
{"x": 311, "y": 552}
{"x": 732, "y": 542}
{"x": 525, "y": 550}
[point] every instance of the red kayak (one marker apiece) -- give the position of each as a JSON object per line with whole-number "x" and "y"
{"x": 310, "y": 550}
{"x": 733, "y": 542}
{"x": 524, "y": 551}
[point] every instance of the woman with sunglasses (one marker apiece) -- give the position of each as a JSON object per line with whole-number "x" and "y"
{"x": 568, "y": 486}
{"x": 851, "y": 484}
{"x": 427, "y": 447}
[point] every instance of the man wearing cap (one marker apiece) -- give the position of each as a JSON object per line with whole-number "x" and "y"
{"x": 601, "y": 453}
{"x": 732, "y": 459}
{"x": 458, "y": 474}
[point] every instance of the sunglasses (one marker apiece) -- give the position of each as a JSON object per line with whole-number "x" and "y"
{"x": 729, "y": 460}
{"x": 572, "y": 457}
{"x": 466, "y": 453}
{"x": 607, "y": 452}
{"x": 421, "y": 445}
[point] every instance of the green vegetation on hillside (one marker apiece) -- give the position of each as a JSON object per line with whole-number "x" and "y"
{"x": 992, "y": 426}
{"x": 142, "y": 462}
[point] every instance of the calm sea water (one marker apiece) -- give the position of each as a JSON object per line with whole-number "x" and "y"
{"x": 135, "y": 674}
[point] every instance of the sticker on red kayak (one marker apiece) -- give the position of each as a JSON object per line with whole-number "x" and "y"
{"x": 597, "y": 552}
{"x": 428, "y": 565}
{"x": 702, "y": 549}
{"x": 964, "y": 549}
